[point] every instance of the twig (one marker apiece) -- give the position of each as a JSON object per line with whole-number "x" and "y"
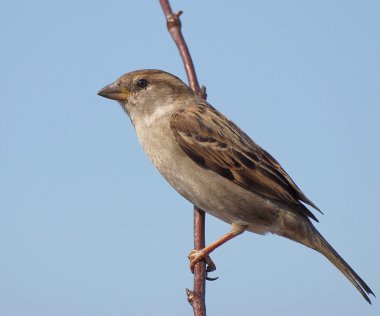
{"x": 196, "y": 297}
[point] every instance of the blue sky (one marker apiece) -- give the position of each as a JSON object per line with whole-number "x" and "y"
{"x": 88, "y": 226}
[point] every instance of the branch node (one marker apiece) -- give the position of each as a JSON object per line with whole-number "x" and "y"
{"x": 203, "y": 92}
{"x": 196, "y": 302}
{"x": 173, "y": 20}
{"x": 190, "y": 296}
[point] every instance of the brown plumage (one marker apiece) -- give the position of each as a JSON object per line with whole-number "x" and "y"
{"x": 216, "y": 143}
{"x": 211, "y": 162}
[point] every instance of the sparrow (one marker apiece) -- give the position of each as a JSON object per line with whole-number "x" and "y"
{"x": 211, "y": 162}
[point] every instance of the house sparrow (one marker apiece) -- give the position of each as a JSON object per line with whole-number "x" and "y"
{"x": 216, "y": 166}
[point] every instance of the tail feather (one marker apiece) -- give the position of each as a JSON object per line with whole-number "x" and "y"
{"x": 321, "y": 245}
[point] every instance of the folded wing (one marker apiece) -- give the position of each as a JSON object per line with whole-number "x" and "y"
{"x": 217, "y": 144}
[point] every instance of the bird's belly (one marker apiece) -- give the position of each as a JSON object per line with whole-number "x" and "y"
{"x": 213, "y": 193}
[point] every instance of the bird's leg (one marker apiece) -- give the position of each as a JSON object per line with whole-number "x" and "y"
{"x": 204, "y": 254}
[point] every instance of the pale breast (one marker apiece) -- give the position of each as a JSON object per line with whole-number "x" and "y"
{"x": 205, "y": 188}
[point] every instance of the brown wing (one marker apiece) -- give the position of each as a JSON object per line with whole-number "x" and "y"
{"x": 217, "y": 144}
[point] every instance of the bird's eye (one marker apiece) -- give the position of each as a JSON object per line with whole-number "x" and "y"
{"x": 142, "y": 83}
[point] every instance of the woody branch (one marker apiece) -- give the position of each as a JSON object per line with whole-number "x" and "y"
{"x": 196, "y": 297}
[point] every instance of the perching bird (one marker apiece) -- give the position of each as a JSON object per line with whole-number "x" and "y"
{"x": 216, "y": 166}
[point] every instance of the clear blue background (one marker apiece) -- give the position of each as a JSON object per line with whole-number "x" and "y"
{"x": 89, "y": 227}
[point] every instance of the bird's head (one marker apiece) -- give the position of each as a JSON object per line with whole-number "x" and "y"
{"x": 144, "y": 94}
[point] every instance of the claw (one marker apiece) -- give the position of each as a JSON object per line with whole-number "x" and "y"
{"x": 211, "y": 279}
{"x": 197, "y": 255}
{"x": 210, "y": 264}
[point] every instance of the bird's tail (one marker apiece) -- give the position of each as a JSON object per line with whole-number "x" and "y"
{"x": 321, "y": 245}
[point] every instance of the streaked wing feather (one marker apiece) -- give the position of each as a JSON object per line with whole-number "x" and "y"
{"x": 217, "y": 144}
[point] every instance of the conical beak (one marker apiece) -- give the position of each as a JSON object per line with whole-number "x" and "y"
{"x": 114, "y": 92}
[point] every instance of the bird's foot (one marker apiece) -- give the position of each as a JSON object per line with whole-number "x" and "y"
{"x": 197, "y": 255}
